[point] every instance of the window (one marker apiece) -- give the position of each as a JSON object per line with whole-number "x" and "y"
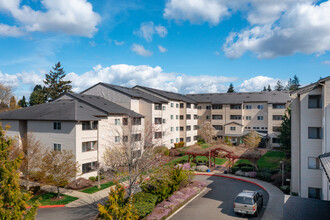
{"x": 117, "y": 121}
{"x": 181, "y": 128}
{"x": 235, "y": 117}
{"x": 188, "y": 139}
{"x": 136, "y": 137}
{"x": 158, "y": 106}
{"x": 207, "y": 117}
{"x": 248, "y": 117}
{"x": 277, "y": 117}
{"x": 158, "y": 121}
{"x": 216, "y": 106}
{"x": 177, "y": 140}
{"x": 217, "y": 117}
{"x": 89, "y": 167}
{"x": 181, "y": 105}
{"x": 164, "y": 120}
{"x": 177, "y": 105}
{"x": 172, "y": 105}
{"x": 125, "y": 121}
{"x": 188, "y": 117}
{"x": 314, "y": 101}
{"x": 195, "y": 137}
{"x": 188, "y": 128}
{"x": 260, "y": 118}
{"x": 314, "y": 133}
{"x": 89, "y": 125}
{"x": 313, "y": 163}
{"x": 125, "y": 138}
{"x": 172, "y": 116}
{"x": 136, "y": 121}
{"x": 235, "y": 106}
{"x": 208, "y": 107}
{"x": 177, "y": 117}
{"x": 248, "y": 128}
{"x": 260, "y": 107}
{"x": 117, "y": 139}
{"x": 164, "y": 133}
{"x": 199, "y": 107}
{"x": 164, "y": 108}
{"x": 276, "y": 128}
{"x": 195, "y": 116}
{"x": 177, "y": 129}
{"x": 275, "y": 140}
{"x": 181, "y": 117}
{"x": 196, "y": 127}
{"x": 195, "y": 106}
{"x": 233, "y": 128}
{"x": 172, "y": 129}
{"x": 172, "y": 141}
{"x": 248, "y": 107}
{"x": 199, "y": 117}
{"x": 314, "y": 193}
{"x": 278, "y": 106}
{"x": 188, "y": 105}
{"x": 181, "y": 139}
{"x": 89, "y": 146}
{"x": 57, "y": 125}
{"x": 217, "y": 127}
{"x": 57, "y": 147}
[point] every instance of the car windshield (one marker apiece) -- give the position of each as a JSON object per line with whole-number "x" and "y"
{"x": 244, "y": 200}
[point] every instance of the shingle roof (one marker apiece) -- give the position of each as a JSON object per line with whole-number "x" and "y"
{"x": 135, "y": 93}
{"x": 311, "y": 86}
{"x": 62, "y": 110}
{"x": 104, "y": 105}
{"x": 168, "y": 95}
{"x": 238, "y": 98}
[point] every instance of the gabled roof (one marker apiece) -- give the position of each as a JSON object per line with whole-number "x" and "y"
{"x": 105, "y": 105}
{"x": 133, "y": 93}
{"x": 168, "y": 95}
{"x": 311, "y": 86}
{"x": 325, "y": 162}
{"x": 61, "y": 110}
{"x": 234, "y": 122}
{"x": 243, "y": 97}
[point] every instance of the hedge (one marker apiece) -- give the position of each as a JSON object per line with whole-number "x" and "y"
{"x": 144, "y": 203}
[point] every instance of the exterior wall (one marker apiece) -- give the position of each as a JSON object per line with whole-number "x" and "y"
{"x": 326, "y": 136}
{"x": 295, "y": 144}
{"x": 14, "y": 130}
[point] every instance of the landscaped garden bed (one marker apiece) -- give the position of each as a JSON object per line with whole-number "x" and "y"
{"x": 48, "y": 198}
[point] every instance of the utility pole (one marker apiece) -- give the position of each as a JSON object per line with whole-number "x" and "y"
{"x": 282, "y": 165}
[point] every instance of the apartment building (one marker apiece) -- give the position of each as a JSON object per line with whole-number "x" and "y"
{"x": 236, "y": 114}
{"x": 83, "y": 124}
{"x": 310, "y": 140}
{"x": 171, "y": 116}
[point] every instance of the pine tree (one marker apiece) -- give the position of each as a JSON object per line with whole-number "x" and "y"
{"x": 279, "y": 86}
{"x": 269, "y": 88}
{"x": 55, "y": 85}
{"x": 265, "y": 89}
{"x": 293, "y": 84}
{"x": 285, "y": 130}
{"x": 22, "y": 102}
{"x": 37, "y": 96}
{"x": 231, "y": 88}
{"x": 13, "y": 201}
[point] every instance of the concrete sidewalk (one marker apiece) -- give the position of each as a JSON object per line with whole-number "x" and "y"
{"x": 274, "y": 209}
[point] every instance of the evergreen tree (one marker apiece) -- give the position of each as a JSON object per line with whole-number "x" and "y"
{"x": 13, "y": 104}
{"x": 265, "y": 89}
{"x": 37, "y": 96}
{"x": 293, "y": 84}
{"x": 269, "y": 88}
{"x": 231, "y": 88}
{"x": 22, "y": 103}
{"x": 279, "y": 86}
{"x": 13, "y": 201}
{"x": 55, "y": 85}
{"x": 285, "y": 130}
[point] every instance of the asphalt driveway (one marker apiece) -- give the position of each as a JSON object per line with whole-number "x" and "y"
{"x": 217, "y": 201}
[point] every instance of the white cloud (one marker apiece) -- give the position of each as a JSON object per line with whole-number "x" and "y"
{"x": 129, "y": 75}
{"x": 74, "y": 17}
{"x": 327, "y": 62}
{"x": 140, "y": 50}
{"x": 10, "y": 31}
{"x": 257, "y": 83}
{"x": 148, "y": 29}
{"x": 162, "y": 49}
{"x": 119, "y": 43}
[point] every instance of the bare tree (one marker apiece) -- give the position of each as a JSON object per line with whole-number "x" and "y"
{"x": 5, "y": 94}
{"x": 59, "y": 168}
{"x": 132, "y": 156}
{"x": 252, "y": 139}
{"x": 206, "y": 131}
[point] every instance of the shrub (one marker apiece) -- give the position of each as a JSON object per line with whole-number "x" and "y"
{"x": 192, "y": 164}
{"x": 181, "y": 144}
{"x": 144, "y": 203}
{"x": 34, "y": 189}
{"x": 79, "y": 183}
{"x": 92, "y": 178}
{"x": 200, "y": 141}
{"x": 176, "y": 145}
{"x": 162, "y": 150}
{"x": 264, "y": 176}
{"x": 234, "y": 169}
{"x": 247, "y": 169}
{"x": 285, "y": 189}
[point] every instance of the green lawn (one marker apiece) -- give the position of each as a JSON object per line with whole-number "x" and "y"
{"x": 46, "y": 199}
{"x": 271, "y": 159}
{"x": 94, "y": 189}
{"x": 204, "y": 146}
{"x": 218, "y": 161}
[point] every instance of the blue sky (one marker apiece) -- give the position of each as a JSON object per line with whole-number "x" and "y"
{"x": 179, "y": 45}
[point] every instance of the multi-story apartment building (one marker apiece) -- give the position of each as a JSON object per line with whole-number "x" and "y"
{"x": 236, "y": 114}
{"x": 172, "y": 116}
{"x": 83, "y": 124}
{"x": 310, "y": 138}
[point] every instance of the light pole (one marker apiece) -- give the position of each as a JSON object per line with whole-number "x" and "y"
{"x": 282, "y": 168}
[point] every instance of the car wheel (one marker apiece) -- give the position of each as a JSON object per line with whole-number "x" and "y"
{"x": 257, "y": 212}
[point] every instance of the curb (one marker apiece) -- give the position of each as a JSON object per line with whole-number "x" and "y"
{"x": 230, "y": 177}
{"x": 48, "y": 206}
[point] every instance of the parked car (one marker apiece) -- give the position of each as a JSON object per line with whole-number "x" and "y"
{"x": 248, "y": 202}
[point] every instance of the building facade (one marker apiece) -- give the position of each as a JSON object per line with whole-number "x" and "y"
{"x": 310, "y": 138}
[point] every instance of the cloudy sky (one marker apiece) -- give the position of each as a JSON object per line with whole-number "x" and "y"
{"x": 179, "y": 45}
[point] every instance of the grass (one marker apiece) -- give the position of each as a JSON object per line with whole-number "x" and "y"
{"x": 46, "y": 199}
{"x": 271, "y": 159}
{"x": 94, "y": 189}
{"x": 204, "y": 146}
{"x": 218, "y": 161}
{"x": 243, "y": 161}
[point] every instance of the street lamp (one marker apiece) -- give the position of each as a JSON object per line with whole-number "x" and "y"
{"x": 282, "y": 168}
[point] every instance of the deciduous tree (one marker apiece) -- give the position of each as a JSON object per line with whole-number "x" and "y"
{"x": 252, "y": 139}
{"x": 5, "y": 94}
{"x": 13, "y": 104}
{"x": 55, "y": 85}
{"x": 206, "y": 131}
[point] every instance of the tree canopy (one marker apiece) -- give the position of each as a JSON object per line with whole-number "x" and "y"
{"x": 285, "y": 130}
{"x": 22, "y": 102}
{"x": 279, "y": 86}
{"x": 231, "y": 88}
{"x": 37, "y": 96}
{"x": 293, "y": 83}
